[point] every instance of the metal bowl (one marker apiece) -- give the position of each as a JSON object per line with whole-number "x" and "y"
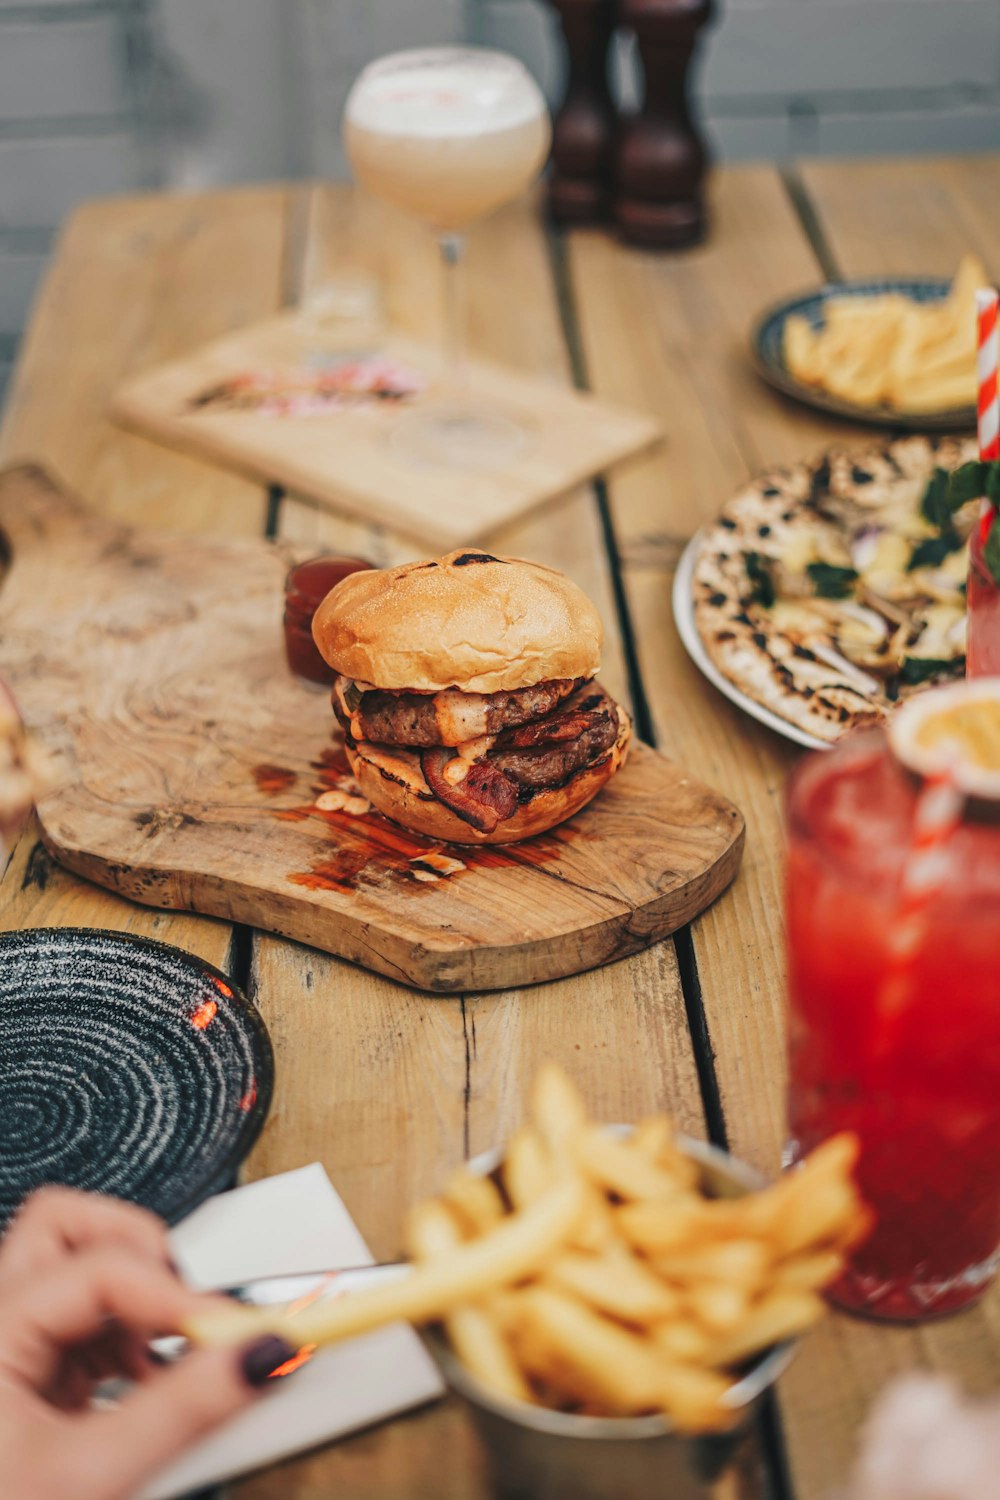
{"x": 534, "y": 1453}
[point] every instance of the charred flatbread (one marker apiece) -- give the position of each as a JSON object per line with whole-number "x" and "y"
{"x": 829, "y": 591}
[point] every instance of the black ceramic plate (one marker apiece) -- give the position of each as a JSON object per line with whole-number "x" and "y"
{"x": 767, "y": 351}
{"x": 126, "y": 1067}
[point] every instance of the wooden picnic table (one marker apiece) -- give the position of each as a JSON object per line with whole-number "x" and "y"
{"x": 388, "y": 1087}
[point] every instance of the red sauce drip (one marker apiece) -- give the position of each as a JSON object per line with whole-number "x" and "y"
{"x": 372, "y": 849}
{"x": 273, "y": 779}
{"x": 306, "y": 586}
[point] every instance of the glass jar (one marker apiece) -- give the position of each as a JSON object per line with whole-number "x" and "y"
{"x": 919, "y": 1080}
{"x": 983, "y": 597}
{"x": 306, "y": 586}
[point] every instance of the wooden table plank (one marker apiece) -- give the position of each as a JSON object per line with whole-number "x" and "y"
{"x": 909, "y": 218}
{"x": 134, "y": 280}
{"x": 430, "y": 1081}
{"x": 688, "y": 316}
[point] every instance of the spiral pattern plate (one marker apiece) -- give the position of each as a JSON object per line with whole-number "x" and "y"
{"x": 127, "y": 1067}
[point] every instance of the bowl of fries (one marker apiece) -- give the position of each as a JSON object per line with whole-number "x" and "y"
{"x": 631, "y": 1361}
{"x": 893, "y": 352}
{"x": 611, "y": 1302}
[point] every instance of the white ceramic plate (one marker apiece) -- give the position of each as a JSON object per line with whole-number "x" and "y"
{"x": 683, "y": 603}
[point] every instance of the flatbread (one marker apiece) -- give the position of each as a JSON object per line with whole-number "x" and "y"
{"x": 810, "y": 594}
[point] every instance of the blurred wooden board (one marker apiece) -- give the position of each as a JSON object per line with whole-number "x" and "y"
{"x": 345, "y": 456}
{"x": 191, "y": 760}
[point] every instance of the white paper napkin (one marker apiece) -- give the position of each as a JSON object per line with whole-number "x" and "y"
{"x": 280, "y": 1227}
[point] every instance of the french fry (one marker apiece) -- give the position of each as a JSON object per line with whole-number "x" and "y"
{"x": 596, "y": 1230}
{"x": 476, "y": 1338}
{"x": 807, "y": 1273}
{"x": 432, "y": 1229}
{"x": 661, "y": 1228}
{"x": 718, "y": 1306}
{"x": 780, "y": 1315}
{"x": 619, "y": 1285}
{"x": 818, "y": 1210}
{"x": 558, "y": 1111}
{"x": 473, "y": 1332}
{"x": 527, "y": 1168}
{"x": 617, "y": 1167}
{"x": 693, "y": 1398}
{"x": 619, "y": 1369}
{"x": 682, "y": 1339}
{"x": 653, "y": 1138}
{"x": 515, "y": 1249}
{"x": 475, "y": 1199}
{"x": 743, "y": 1262}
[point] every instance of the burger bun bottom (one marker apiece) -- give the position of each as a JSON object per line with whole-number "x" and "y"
{"x": 432, "y": 818}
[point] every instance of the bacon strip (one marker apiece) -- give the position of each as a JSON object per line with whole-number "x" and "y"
{"x": 484, "y": 799}
{"x": 557, "y": 728}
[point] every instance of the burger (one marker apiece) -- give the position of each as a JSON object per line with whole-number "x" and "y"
{"x": 466, "y": 691}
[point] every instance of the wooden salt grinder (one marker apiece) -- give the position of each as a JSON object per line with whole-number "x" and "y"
{"x": 583, "y": 129}
{"x": 661, "y": 160}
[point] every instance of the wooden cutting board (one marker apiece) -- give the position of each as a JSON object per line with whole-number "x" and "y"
{"x": 190, "y": 761}
{"x": 348, "y": 456}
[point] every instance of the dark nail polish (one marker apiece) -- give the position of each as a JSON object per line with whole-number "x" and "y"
{"x": 263, "y": 1357}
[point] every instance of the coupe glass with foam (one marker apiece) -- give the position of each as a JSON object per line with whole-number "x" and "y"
{"x": 449, "y": 134}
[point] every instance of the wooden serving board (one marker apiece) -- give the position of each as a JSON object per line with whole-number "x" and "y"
{"x": 346, "y": 457}
{"x": 190, "y": 760}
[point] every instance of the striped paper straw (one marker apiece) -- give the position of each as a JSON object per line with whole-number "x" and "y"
{"x": 987, "y": 355}
{"x": 936, "y": 819}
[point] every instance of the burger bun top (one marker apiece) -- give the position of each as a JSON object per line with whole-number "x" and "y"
{"x": 470, "y": 620}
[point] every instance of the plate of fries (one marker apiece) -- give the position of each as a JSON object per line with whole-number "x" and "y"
{"x": 894, "y": 352}
{"x": 594, "y": 1271}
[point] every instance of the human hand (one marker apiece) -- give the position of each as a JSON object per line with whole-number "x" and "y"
{"x": 85, "y": 1283}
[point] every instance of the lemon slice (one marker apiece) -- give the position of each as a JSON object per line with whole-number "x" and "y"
{"x": 954, "y": 729}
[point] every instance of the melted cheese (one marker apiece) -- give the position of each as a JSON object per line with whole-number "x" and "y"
{"x": 465, "y": 756}
{"x": 800, "y": 550}
{"x": 460, "y": 716}
{"x": 887, "y": 567}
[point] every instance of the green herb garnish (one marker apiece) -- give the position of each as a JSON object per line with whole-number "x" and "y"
{"x": 977, "y": 480}
{"x": 830, "y": 581}
{"x": 917, "y": 669}
{"x": 980, "y": 480}
{"x": 933, "y": 550}
{"x": 935, "y": 507}
{"x": 762, "y": 590}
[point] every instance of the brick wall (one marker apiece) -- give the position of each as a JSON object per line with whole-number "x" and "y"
{"x": 105, "y": 96}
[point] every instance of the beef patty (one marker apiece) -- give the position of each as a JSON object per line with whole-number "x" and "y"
{"x": 421, "y": 720}
{"x": 550, "y": 764}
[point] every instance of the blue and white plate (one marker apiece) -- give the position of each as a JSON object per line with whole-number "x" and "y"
{"x": 767, "y": 352}
{"x": 126, "y": 1067}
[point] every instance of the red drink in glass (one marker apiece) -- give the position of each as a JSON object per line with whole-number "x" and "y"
{"x": 983, "y": 659}
{"x": 922, "y": 1091}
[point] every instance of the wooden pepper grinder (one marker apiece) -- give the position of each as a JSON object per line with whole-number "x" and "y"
{"x": 661, "y": 160}
{"x": 583, "y": 128}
